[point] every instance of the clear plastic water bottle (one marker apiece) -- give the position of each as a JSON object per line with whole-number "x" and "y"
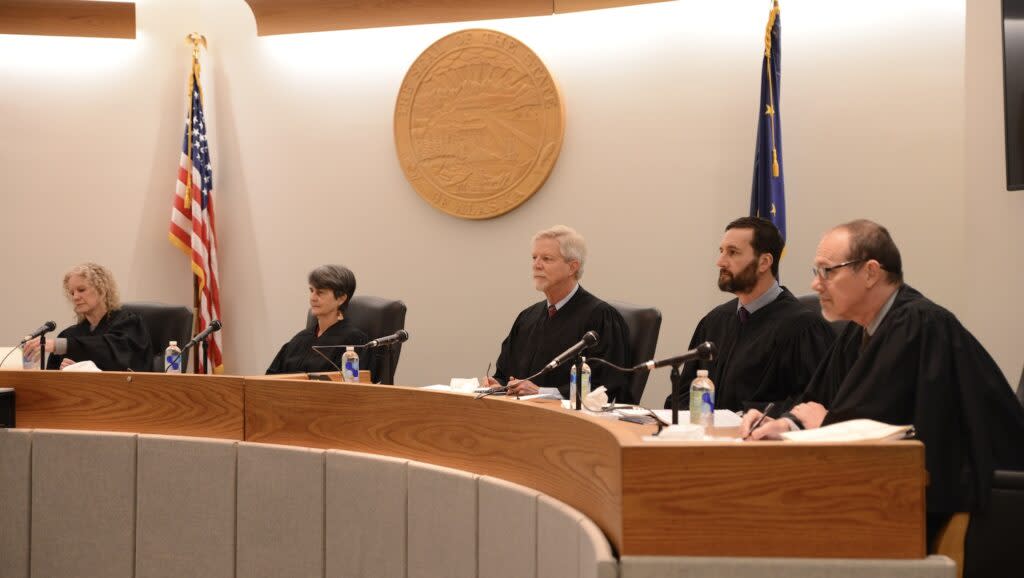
{"x": 172, "y": 358}
{"x": 350, "y": 365}
{"x": 585, "y": 381}
{"x": 28, "y": 362}
{"x": 702, "y": 400}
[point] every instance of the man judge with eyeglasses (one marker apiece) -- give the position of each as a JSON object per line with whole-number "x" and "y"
{"x": 905, "y": 360}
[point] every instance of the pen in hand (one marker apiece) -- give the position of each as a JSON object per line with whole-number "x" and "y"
{"x": 760, "y": 420}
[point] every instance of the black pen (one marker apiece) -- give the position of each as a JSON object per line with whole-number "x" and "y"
{"x": 760, "y": 420}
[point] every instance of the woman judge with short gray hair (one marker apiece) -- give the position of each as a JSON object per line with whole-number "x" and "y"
{"x": 330, "y": 289}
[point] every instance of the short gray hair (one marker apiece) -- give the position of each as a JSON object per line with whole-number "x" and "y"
{"x": 338, "y": 278}
{"x": 570, "y": 244}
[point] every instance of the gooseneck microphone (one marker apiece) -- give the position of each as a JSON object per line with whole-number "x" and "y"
{"x": 589, "y": 338}
{"x": 43, "y": 330}
{"x": 399, "y": 336}
{"x": 213, "y": 327}
{"x": 705, "y": 351}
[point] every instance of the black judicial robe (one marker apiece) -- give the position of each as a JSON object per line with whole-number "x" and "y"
{"x": 769, "y": 358}
{"x": 922, "y": 367}
{"x": 119, "y": 342}
{"x": 536, "y": 339}
{"x": 297, "y": 356}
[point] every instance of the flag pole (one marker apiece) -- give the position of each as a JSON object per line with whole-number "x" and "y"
{"x": 197, "y": 41}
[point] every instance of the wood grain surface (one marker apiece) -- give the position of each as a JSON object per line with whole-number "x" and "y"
{"x": 577, "y": 5}
{"x": 862, "y": 500}
{"x": 775, "y": 499}
{"x": 68, "y": 18}
{"x": 189, "y": 405}
{"x": 541, "y": 446}
{"x": 291, "y": 16}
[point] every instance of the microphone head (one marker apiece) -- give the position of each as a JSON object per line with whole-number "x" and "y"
{"x": 50, "y": 325}
{"x": 707, "y": 351}
{"x": 590, "y": 337}
{"x": 402, "y": 335}
{"x": 215, "y": 324}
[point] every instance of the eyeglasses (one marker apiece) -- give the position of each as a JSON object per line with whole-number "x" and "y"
{"x": 823, "y": 273}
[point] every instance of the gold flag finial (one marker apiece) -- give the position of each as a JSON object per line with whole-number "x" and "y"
{"x": 197, "y": 40}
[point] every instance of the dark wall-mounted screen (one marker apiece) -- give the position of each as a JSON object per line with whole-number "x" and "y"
{"x": 1013, "y": 87}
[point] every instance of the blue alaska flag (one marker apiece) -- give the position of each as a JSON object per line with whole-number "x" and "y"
{"x": 768, "y": 193}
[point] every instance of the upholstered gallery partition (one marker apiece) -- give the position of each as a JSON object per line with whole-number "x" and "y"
{"x": 92, "y": 504}
{"x": 154, "y": 475}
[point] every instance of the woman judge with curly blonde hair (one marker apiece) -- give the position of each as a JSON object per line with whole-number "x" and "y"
{"x": 110, "y": 337}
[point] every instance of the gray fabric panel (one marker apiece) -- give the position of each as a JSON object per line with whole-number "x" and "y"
{"x": 15, "y": 496}
{"x": 185, "y": 525}
{"x": 558, "y": 539}
{"x": 442, "y": 522}
{"x": 700, "y": 567}
{"x": 280, "y": 511}
{"x": 83, "y": 504}
{"x": 366, "y": 497}
{"x": 596, "y": 558}
{"x": 508, "y": 529}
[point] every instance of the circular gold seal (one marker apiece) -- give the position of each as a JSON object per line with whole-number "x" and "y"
{"x": 478, "y": 124}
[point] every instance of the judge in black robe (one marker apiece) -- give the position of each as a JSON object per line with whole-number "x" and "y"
{"x": 120, "y": 342}
{"x": 906, "y": 360}
{"x": 110, "y": 337}
{"x": 544, "y": 330}
{"x": 768, "y": 351}
{"x": 922, "y": 367}
{"x": 536, "y": 339}
{"x": 298, "y": 356}
{"x": 769, "y": 357}
{"x": 330, "y": 289}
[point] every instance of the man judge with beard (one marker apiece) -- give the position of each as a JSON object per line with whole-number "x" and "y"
{"x": 769, "y": 344}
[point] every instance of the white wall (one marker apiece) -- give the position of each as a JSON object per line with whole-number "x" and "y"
{"x": 992, "y": 274}
{"x": 660, "y": 101}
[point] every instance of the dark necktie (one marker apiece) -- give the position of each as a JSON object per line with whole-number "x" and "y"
{"x": 744, "y": 314}
{"x": 551, "y": 311}
{"x": 864, "y": 342}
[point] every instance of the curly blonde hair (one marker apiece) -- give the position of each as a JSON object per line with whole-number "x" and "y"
{"x": 101, "y": 279}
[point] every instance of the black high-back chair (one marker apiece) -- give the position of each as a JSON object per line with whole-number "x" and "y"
{"x": 1020, "y": 388}
{"x": 994, "y": 541}
{"x": 812, "y": 302}
{"x": 644, "y": 325}
{"x": 165, "y": 323}
{"x": 378, "y": 317}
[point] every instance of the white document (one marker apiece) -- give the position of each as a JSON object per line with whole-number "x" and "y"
{"x": 854, "y": 430}
{"x": 82, "y": 366}
{"x": 723, "y": 417}
{"x": 13, "y": 358}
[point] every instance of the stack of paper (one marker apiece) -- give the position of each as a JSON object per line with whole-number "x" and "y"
{"x": 855, "y": 430}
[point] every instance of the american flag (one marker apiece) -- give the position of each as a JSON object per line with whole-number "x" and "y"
{"x": 192, "y": 224}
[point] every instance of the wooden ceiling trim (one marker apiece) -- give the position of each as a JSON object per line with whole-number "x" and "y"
{"x": 68, "y": 18}
{"x": 579, "y": 5}
{"x": 296, "y": 16}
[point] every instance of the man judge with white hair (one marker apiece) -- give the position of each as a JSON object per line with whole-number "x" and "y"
{"x": 546, "y": 329}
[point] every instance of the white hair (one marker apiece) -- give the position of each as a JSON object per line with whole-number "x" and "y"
{"x": 570, "y": 244}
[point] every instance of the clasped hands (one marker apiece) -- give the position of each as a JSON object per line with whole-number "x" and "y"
{"x": 810, "y": 413}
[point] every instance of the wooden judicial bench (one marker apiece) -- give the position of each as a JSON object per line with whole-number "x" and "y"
{"x": 771, "y": 499}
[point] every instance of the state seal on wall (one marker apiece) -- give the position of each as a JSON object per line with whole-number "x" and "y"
{"x": 478, "y": 124}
